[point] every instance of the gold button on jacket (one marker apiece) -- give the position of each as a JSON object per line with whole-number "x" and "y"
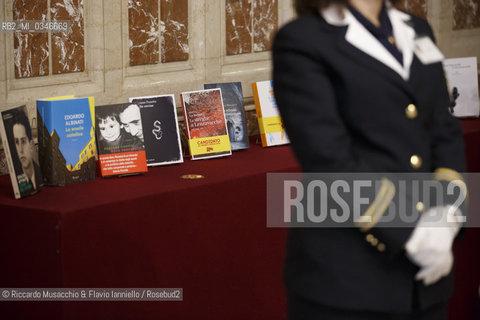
{"x": 411, "y": 111}
{"x": 345, "y": 111}
{"x": 415, "y": 161}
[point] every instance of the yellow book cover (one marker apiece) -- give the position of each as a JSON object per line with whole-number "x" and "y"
{"x": 270, "y": 123}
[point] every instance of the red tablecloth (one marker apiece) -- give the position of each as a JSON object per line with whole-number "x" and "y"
{"x": 465, "y": 303}
{"x": 207, "y": 236}
{"x": 471, "y": 135}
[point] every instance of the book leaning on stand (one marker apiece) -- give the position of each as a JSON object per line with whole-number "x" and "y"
{"x": 160, "y": 129}
{"x": 270, "y": 123}
{"x": 205, "y": 124}
{"x": 232, "y": 97}
{"x": 462, "y": 79}
{"x": 20, "y": 152}
{"x": 120, "y": 139}
{"x": 66, "y": 139}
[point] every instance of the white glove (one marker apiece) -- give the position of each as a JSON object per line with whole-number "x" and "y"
{"x": 430, "y": 245}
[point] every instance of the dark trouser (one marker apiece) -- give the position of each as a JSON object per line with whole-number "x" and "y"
{"x": 303, "y": 309}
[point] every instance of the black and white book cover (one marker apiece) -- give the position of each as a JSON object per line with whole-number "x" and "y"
{"x": 160, "y": 127}
{"x": 120, "y": 140}
{"x": 20, "y": 152}
{"x": 3, "y": 161}
{"x": 232, "y": 97}
{"x": 462, "y": 78}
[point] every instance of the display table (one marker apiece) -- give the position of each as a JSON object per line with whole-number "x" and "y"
{"x": 471, "y": 136}
{"x": 465, "y": 303}
{"x": 207, "y": 236}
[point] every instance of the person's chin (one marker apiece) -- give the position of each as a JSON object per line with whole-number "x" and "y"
{"x": 26, "y": 166}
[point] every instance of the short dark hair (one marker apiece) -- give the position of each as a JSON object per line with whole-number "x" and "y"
{"x": 125, "y": 106}
{"x": 22, "y": 119}
{"x": 103, "y": 114}
{"x": 312, "y": 6}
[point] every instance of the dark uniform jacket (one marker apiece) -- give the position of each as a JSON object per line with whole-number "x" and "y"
{"x": 348, "y": 111}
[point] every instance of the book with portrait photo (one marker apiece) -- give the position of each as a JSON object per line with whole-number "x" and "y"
{"x": 160, "y": 129}
{"x": 20, "y": 152}
{"x": 272, "y": 131}
{"x": 66, "y": 139}
{"x": 205, "y": 124}
{"x": 120, "y": 140}
{"x": 3, "y": 161}
{"x": 234, "y": 113}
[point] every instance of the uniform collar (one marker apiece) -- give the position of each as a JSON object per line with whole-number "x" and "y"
{"x": 358, "y": 36}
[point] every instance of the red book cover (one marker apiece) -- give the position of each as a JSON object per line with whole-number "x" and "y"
{"x": 205, "y": 124}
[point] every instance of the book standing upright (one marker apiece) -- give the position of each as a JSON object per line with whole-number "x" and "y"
{"x": 20, "y": 152}
{"x": 272, "y": 131}
{"x": 66, "y": 139}
{"x": 205, "y": 124}
{"x": 234, "y": 113}
{"x": 160, "y": 129}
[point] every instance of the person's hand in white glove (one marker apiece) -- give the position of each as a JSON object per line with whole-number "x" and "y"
{"x": 430, "y": 245}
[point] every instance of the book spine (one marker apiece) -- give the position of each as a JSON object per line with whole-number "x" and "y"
{"x": 185, "y": 122}
{"x": 172, "y": 97}
{"x": 8, "y": 156}
{"x": 258, "y": 108}
{"x": 44, "y": 148}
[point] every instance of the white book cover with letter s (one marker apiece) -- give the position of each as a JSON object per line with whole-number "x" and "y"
{"x": 462, "y": 78}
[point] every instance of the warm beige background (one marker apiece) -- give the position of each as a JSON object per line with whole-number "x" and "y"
{"x": 108, "y": 73}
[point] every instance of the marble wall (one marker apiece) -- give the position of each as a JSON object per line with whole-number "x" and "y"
{"x": 417, "y": 7}
{"x": 123, "y": 48}
{"x": 158, "y": 31}
{"x": 250, "y": 25}
{"x": 68, "y": 53}
{"x": 32, "y": 50}
{"x": 174, "y": 27}
{"x": 265, "y": 23}
{"x": 466, "y": 14}
{"x": 143, "y": 32}
{"x": 238, "y": 25}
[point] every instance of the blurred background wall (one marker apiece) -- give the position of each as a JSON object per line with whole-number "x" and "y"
{"x": 122, "y": 48}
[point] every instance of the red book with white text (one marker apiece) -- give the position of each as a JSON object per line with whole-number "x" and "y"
{"x": 205, "y": 124}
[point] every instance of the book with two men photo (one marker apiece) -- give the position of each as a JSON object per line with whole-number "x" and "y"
{"x": 120, "y": 139}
